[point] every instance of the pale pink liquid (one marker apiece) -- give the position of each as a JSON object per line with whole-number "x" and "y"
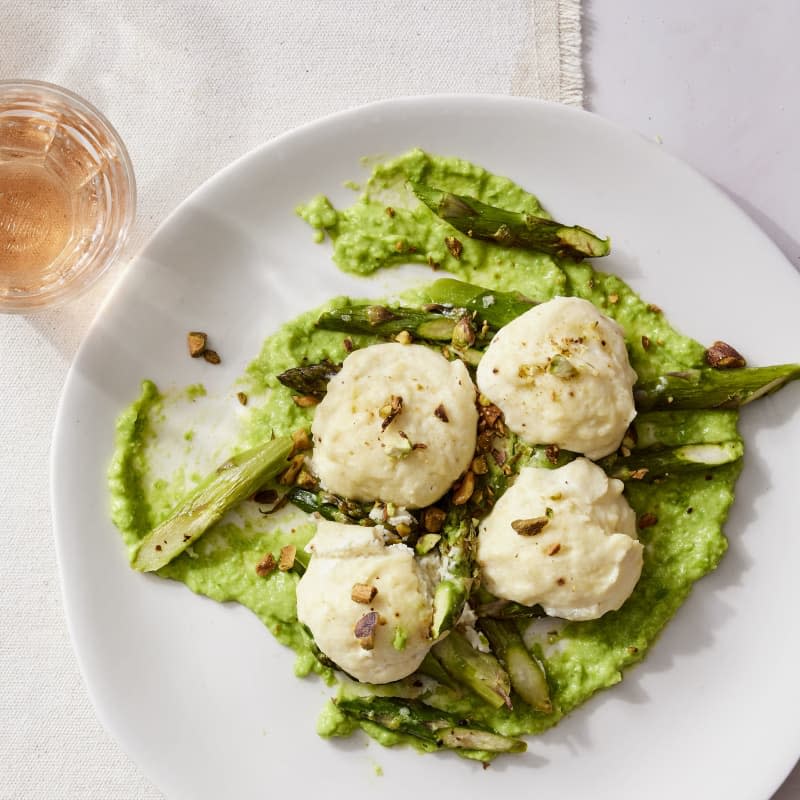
{"x": 65, "y": 195}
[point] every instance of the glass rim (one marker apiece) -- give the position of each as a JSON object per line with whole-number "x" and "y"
{"x": 49, "y": 299}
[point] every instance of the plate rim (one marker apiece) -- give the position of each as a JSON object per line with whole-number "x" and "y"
{"x": 221, "y": 175}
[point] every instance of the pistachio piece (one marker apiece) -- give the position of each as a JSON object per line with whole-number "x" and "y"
{"x": 390, "y": 410}
{"x": 463, "y": 333}
{"x": 197, "y": 343}
{"x": 363, "y": 593}
{"x": 530, "y": 527}
{"x": 479, "y": 465}
{"x": 265, "y": 566}
{"x": 454, "y": 246}
{"x": 292, "y": 471}
{"x": 286, "y": 558}
{"x": 433, "y": 519}
{"x": 465, "y": 489}
{"x": 364, "y": 630}
{"x": 426, "y": 543}
{"x": 300, "y": 440}
{"x": 562, "y": 367}
{"x": 722, "y": 356}
{"x": 378, "y": 314}
{"x": 305, "y": 400}
{"x": 305, "y": 480}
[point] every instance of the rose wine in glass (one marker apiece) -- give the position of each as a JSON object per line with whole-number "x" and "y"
{"x": 67, "y": 195}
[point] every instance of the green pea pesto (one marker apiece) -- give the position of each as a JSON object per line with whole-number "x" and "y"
{"x": 383, "y": 227}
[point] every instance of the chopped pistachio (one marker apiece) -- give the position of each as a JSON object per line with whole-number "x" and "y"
{"x": 306, "y": 480}
{"x": 454, "y": 246}
{"x": 722, "y": 356}
{"x": 530, "y": 527}
{"x": 433, "y": 519}
{"x": 378, "y": 314}
{"x": 528, "y": 371}
{"x": 286, "y": 558}
{"x": 242, "y": 398}
{"x": 305, "y": 400}
{"x": 404, "y": 337}
{"x": 401, "y": 447}
{"x": 364, "y": 630}
{"x": 463, "y": 333}
{"x": 292, "y": 471}
{"x": 211, "y": 356}
{"x": 426, "y": 543}
{"x": 390, "y": 410}
{"x": 553, "y": 549}
{"x": 562, "y": 367}
{"x": 400, "y": 638}
{"x": 197, "y": 341}
{"x": 300, "y": 440}
{"x": 265, "y": 566}
{"x": 363, "y": 593}
{"x": 465, "y": 489}
{"x": 479, "y": 465}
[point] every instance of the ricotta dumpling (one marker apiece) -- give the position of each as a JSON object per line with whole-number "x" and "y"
{"x": 564, "y": 538}
{"x": 560, "y": 374}
{"x": 367, "y": 605}
{"x": 398, "y": 424}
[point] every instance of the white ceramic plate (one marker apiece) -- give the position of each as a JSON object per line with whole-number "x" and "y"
{"x": 199, "y": 693}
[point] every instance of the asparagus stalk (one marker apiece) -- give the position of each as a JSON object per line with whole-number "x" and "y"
{"x": 428, "y": 724}
{"x": 647, "y": 465}
{"x": 457, "y": 548}
{"x": 494, "y": 307}
{"x": 677, "y": 428}
{"x": 491, "y": 607}
{"x": 692, "y": 389}
{"x": 527, "y": 676}
{"x": 229, "y": 484}
{"x": 326, "y": 505}
{"x": 510, "y": 228}
{"x": 431, "y": 667}
{"x": 382, "y": 321}
{"x": 713, "y": 388}
{"x": 310, "y": 379}
{"x": 478, "y": 671}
